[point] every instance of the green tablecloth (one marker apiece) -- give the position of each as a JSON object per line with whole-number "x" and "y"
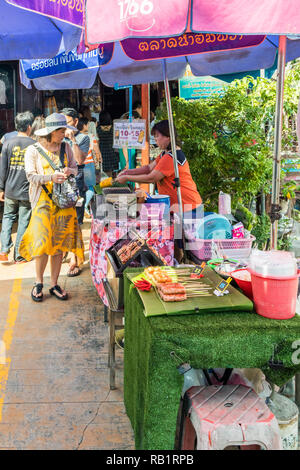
{"x": 154, "y": 306}
{"x": 152, "y": 384}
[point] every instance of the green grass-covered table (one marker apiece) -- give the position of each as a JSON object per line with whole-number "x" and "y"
{"x": 152, "y": 384}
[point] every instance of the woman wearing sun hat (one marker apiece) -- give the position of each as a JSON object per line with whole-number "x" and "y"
{"x": 51, "y": 231}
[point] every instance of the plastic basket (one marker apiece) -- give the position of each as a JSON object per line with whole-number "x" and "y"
{"x": 236, "y": 248}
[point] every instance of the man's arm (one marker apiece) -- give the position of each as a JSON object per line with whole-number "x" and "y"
{"x": 80, "y": 151}
{"x": 3, "y": 168}
{"x": 79, "y": 155}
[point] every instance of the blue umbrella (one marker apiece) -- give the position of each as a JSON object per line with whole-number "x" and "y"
{"x": 118, "y": 67}
{"x": 25, "y": 34}
{"x": 126, "y": 70}
{"x": 147, "y": 60}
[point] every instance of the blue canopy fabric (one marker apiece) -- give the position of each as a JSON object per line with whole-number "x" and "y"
{"x": 72, "y": 80}
{"x": 28, "y": 35}
{"x": 65, "y": 70}
{"x": 125, "y": 71}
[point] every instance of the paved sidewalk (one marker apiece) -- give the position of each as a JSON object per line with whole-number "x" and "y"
{"x": 54, "y": 386}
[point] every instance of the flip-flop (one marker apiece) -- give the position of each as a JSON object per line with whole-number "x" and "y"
{"x": 21, "y": 261}
{"x": 38, "y": 287}
{"x": 73, "y": 274}
{"x": 58, "y": 289}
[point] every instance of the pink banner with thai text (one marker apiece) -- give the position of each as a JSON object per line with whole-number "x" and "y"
{"x": 246, "y": 17}
{"x": 186, "y": 44}
{"x": 114, "y": 20}
{"x": 70, "y": 11}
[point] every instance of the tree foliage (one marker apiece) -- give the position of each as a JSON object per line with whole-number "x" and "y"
{"x": 228, "y": 140}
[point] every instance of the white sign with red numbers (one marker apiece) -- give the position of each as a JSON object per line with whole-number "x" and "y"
{"x": 129, "y": 134}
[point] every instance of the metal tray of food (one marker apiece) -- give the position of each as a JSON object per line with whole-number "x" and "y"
{"x": 115, "y": 272}
{"x": 116, "y": 190}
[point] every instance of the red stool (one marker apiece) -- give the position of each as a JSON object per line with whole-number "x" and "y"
{"x": 216, "y": 417}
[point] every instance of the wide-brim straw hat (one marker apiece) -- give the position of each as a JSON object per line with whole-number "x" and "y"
{"x": 52, "y": 123}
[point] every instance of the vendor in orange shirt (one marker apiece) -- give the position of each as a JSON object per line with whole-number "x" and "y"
{"x": 161, "y": 171}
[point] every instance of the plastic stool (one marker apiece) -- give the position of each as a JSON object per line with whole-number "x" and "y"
{"x": 216, "y": 417}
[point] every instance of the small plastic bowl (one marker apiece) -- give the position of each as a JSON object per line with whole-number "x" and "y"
{"x": 243, "y": 284}
{"x": 213, "y": 263}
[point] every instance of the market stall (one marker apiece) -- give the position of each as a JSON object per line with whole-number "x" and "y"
{"x": 224, "y": 339}
{"x": 107, "y": 229}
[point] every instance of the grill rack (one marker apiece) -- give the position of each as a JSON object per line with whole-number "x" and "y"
{"x": 149, "y": 254}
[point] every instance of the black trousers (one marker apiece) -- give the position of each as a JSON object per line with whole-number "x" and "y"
{"x": 82, "y": 191}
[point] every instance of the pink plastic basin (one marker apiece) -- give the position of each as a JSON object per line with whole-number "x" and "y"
{"x": 241, "y": 277}
{"x": 275, "y": 297}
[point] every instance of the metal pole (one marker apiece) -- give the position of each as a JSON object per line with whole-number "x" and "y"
{"x": 130, "y": 166}
{"x": 130, "y": 91}
{"x": 297, "y": 392}
{"x": 277, "y": 136}
{"x": 15, "y": 91}
{"x": 173, "y": 147}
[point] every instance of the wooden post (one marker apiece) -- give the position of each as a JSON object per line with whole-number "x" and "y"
{"x": 145, "y": 93}
{"x": 297, "y": 392}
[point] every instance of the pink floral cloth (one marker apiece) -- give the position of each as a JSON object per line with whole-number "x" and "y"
{"x": 103, "y": 236}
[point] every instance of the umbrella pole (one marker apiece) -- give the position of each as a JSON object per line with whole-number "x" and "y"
{"x": 277, "y": 141}
{"x": 180, "y": 233}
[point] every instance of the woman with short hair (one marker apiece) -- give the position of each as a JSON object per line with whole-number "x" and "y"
{"x": 110, "y": 158}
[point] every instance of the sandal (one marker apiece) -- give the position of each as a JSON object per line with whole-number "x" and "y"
{"x": 74, "y": 271}
{"x": 58, "y": 289}
{"x": 38, "y": 290}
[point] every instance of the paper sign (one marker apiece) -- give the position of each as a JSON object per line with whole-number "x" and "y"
{"x": 198, "y": 271}
{"x": 129, "y": 134}
{"x": 222, "y": 286}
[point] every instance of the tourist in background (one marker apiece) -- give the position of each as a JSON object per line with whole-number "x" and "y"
{"x": 86, "y": 113}
{"x": 14, "y": 186}
{"x": 110, "y": 157}
{"x": 89, "y": 164}
{"x": 80, "y": 144}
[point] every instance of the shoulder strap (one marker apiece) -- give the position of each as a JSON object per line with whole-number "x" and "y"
{"x": 62, "y": 154}
{"x": 47, "y": 191}
{"x": 43, "y": 153}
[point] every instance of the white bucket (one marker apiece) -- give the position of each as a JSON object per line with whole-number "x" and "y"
{"x": 286, "y": 412}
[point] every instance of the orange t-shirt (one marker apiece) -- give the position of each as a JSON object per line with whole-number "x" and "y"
{"x": 89, "y": 157}
{"x": 189, "y": 194}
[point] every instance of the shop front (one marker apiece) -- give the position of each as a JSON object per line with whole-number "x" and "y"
{"x": 14, "y": 97}
{"x": 97, "y": 98}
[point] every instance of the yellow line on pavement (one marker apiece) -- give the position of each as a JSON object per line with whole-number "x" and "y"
{"x": 8, "y": 333}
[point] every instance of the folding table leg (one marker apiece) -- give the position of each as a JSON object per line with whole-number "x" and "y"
{"x": 105, "y": 314}
{"x": 297, "y": 392}
{"x": 111, "y": 352}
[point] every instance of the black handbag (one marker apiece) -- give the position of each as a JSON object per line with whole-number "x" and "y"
{"x": 66, "y": 194}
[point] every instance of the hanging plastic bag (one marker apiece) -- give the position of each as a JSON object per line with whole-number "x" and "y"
{"x": 224, "y": 203}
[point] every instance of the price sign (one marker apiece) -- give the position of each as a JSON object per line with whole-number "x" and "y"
{"x": 197, "y": 272}
{"x": 129, "y": 134}
{"x": 222, "y": 286}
